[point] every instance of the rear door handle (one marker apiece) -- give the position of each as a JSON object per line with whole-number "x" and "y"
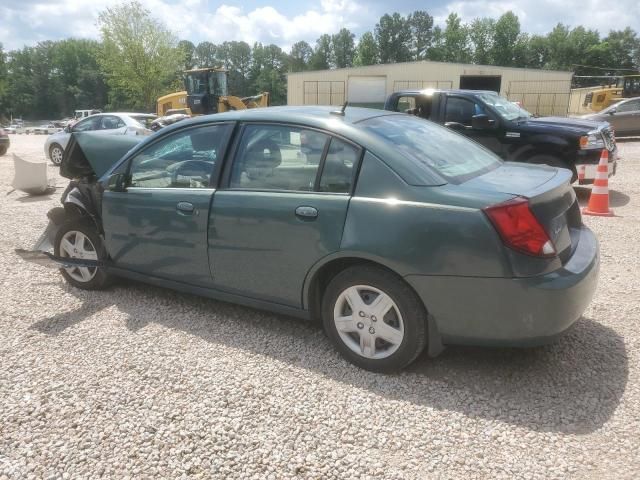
{"x": 306, "y": 212}
{"x": 185, "y": 208}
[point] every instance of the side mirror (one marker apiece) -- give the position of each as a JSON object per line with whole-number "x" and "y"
{"x": 480, "y": 122}
{"x": 612, "y": 111}
{"x": 117, "y": 182}
{"x": 67, "y": 129}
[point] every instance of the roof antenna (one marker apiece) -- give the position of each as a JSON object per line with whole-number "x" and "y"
{"x": 341, "y": 111}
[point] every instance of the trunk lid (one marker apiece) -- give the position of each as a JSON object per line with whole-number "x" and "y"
{"x": 90, "y": 154}
{"x": 551, "y": 198}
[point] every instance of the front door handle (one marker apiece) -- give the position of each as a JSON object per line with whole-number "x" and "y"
{"x": 185, "y": 208}
{"x": 306, "y": 212}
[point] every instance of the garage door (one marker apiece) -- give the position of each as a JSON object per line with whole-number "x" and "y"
{"x": 367, "y": 91}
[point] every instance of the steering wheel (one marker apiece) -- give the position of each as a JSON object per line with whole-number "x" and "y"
{"x": 190, "y": 168}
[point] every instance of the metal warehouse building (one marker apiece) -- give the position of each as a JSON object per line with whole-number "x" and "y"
{"x": 543, "y": 92}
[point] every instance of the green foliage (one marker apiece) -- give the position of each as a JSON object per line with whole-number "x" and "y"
{"x": 507, "y": 31}
{"x": 300, "y": 56}
{"x": 139, "y": 55}
{"x": 321, "y": 58}
{"x": 205, "y": 55}
{"x": 421, "y": 27}
{"x": 343, "y": 48}
{"x": 188, "y": 50}
{"x": 482, "y": 32}
{"x": 367, "y": 50}
{"x": 393, "y": 36}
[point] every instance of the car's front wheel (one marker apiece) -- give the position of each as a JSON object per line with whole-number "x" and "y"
{"x": 79, "y": 239}
{"x": 375, "y": 320}
{"x": 55, "y": 153}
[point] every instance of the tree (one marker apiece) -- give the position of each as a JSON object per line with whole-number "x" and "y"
{"x": 481, "y": 35}
{"x": 139, "y": 55}
{"x": 624, "y": 46}
{"x": 507, "y": 29}
{"x": 237, "y": 60}
{"x": 343, "y": 48}
{"x": 367, "y": 51}
{"x": 205, "y": 55}
{"x": 4, "y": 83}
{"x": 300, "y": 56}
{"x": 321, "y": 58}
{"x": 188, "y": 50}
{"x": 456, "y": 40}
{"x": 393, "y": 36}
{"x": 421, "y": 26}
{"x": 268, "y": 72}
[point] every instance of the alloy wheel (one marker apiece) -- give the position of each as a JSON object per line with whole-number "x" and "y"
{"x": 75, "y": 244}
{"x": 56, "y": 155}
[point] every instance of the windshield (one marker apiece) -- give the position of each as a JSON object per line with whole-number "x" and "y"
{"x": 430, "y": 146}
{"x": 503, "y": 107}
{"x": 196, "y": 82}
{"x": 218, "y": 83}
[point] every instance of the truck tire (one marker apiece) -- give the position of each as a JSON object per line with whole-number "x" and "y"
{"x": 553, "y": 161}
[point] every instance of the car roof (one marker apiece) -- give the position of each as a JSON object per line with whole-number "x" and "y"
{"x": 308, "y": 114}
{"x": 418, "y": 91}
{"x": 128, "y": 114}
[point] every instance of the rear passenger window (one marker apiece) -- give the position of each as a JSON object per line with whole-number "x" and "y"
{"x": 278, "y": 157}
{"x": 337, "y": 174}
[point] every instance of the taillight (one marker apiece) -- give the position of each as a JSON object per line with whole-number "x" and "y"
{"x": 519, "y": 228}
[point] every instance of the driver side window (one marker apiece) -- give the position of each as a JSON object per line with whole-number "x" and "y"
{"x": 185, "y": 159}
{"x": 86, "y": 125}
{"x": 461, "y": 110}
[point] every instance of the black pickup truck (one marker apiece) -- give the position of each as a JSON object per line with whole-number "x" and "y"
{"x": 512, "y": 132}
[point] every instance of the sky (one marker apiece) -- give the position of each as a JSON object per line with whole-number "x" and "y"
{"x": 283, "y": 22}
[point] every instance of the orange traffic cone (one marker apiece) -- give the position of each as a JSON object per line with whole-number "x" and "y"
{"x": 599, "y": 199}
{"x": 582, "y": 172}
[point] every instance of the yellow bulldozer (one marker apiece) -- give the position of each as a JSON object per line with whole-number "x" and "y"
{"x": 205, "y": 93}
{"x": 624, "y": 87}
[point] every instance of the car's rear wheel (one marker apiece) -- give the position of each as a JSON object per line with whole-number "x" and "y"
{"x": 55, "y": 153}
{"x": 79, "y": 239}
{"x": 375, "y": 320}
{"x": 3, "y": 150}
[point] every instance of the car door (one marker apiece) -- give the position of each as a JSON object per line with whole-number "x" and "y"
{"x": 158, "y": 225}
{"x": 458, "y": 112}
{"x": 626, "y": 118}
{"x": 282, "y": 208}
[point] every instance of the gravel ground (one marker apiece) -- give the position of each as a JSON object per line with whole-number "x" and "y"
{"x": 142, "y": 382}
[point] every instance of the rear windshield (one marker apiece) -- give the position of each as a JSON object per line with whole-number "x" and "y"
{"x": 430, "y": 146}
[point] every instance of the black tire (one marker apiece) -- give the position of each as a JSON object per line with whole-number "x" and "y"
{"x": 99, "y": 279}
{"x": 412, "y": 312}
{"x": 56, "y": 158}
{"x": 3, "y": 150}
{"x": 553, "y": 161}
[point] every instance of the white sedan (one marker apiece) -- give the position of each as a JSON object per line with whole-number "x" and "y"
{"x": 102, "y": 123}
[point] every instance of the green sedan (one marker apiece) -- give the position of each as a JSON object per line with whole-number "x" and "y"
{"x": 397, "y": 234}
